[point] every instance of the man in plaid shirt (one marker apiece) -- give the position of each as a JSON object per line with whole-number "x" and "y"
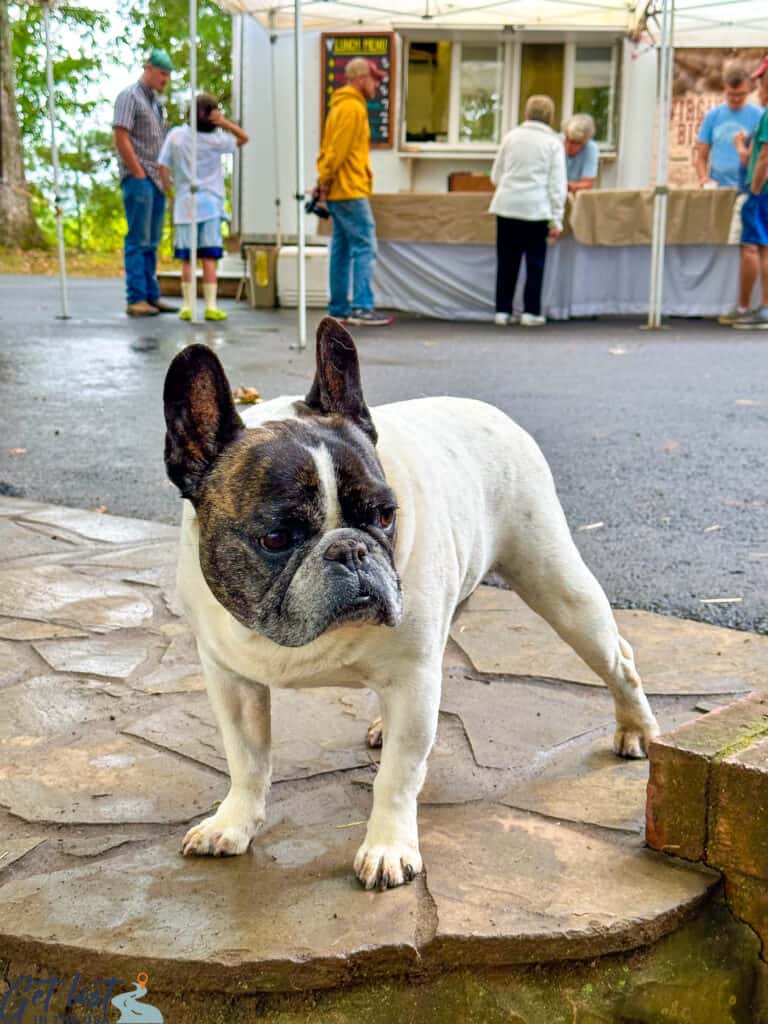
{"x": 139, "y": 129}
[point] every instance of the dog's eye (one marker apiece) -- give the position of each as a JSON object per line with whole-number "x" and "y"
{"x": 278, "y": 540}
{"x": 385, "y": 518}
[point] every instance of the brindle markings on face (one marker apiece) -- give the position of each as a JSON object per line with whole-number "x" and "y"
{"x": 279, "y": 479}
{"x": 266, "y": 474}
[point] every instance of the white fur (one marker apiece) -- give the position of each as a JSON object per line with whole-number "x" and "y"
{"x": 324, "y": 464}
{"x": 474, "y": 493}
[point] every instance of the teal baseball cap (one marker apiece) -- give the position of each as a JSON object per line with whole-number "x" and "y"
{"x": 159, "y": 58}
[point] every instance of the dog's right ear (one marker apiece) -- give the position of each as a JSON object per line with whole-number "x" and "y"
{"x": 200, "y": 417}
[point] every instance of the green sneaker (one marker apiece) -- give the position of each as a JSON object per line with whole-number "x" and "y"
{"x": 732, "y": 316}
{"x": 215, "y": 314}
{"x": 185, "y": 314}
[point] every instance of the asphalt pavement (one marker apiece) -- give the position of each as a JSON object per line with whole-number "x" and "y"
{"x": 657, "y": 441}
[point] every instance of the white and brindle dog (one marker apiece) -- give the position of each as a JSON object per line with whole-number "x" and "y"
{"x": 327, "y": 545}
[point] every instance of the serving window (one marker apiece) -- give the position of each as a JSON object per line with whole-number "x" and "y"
{"x": 464, "y": 93}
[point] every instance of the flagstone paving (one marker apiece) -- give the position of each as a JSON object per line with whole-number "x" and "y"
{"x": 532, "y": 831}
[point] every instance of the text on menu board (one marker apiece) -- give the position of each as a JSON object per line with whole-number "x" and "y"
{"x": 337, "y": 51}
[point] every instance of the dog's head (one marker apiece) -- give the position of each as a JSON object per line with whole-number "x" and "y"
{"x": 296, "y": 520}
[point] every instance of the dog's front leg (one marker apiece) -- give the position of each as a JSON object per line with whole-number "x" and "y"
{"x": 243, "y": 714}
{"x": 390, "y": 854}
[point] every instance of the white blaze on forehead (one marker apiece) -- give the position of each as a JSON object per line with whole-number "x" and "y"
{"x": 328, "y": 487}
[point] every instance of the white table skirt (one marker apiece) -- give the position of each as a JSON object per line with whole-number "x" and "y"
{"x": 457, "y": 282}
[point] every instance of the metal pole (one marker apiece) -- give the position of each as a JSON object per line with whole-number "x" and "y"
{"x": 661, "y": 193}
{"x": 301, "y": 308}
{"x": 275, "y": 129}
{"x": 193, "y": 151}
{"x": 64, "y": 315}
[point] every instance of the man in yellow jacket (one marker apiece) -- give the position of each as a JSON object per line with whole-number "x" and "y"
{"x": 344, "y": 178}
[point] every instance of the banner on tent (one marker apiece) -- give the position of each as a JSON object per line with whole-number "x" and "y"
{"x": 697, "y": 87}
{"x": 379, "y": 47}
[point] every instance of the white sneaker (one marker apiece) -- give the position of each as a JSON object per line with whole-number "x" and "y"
{"x": 501, "y": 319}
{"x": 532, "y": 320}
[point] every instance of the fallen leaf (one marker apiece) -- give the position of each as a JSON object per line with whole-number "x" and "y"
{"x": 589, "y": 526}
{"x": 720, "y": 600}
{"x": 246, "y": 396}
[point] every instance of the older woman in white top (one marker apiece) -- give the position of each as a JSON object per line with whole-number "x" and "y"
{"x": 530, "y": 179}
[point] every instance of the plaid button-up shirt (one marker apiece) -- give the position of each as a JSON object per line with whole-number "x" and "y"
{"x": 137, "y": 110}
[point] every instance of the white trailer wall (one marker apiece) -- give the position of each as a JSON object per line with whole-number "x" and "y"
{"x": 393, "y": 172}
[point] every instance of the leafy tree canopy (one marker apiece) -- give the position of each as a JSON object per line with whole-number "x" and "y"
{"x": 89, "y": 45}
{"x": 165, "y": 23}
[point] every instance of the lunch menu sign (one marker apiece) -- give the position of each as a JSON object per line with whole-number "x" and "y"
{"x": 378, "y": 47}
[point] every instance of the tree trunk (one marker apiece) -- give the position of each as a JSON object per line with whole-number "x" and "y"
{"x": 17, "y": 224}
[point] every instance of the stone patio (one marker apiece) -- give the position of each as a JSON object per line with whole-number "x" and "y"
{"x": 531, "y": 830}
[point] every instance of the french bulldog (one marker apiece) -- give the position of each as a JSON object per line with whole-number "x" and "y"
{"x": 327, "y": 544}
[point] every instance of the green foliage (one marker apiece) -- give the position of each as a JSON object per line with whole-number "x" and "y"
{"x": 595, "y": 100}
{"x": 78, "y": 65}
{"x": 165, "y": 23}
{"x": 87, "y": 43}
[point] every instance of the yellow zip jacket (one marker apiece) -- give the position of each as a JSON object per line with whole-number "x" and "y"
{"x": 343, "y": 163}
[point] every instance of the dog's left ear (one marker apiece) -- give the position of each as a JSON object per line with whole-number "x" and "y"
{"x": 337, "y": 387}
{"x": 200, "y": 417}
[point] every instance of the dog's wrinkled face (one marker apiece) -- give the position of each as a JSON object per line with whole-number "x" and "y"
{"x": 297, "y": 522}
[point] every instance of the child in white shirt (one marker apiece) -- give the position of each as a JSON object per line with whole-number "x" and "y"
{"x": 215, "y": 137}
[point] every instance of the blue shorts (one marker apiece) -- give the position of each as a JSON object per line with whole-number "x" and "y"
{"x": 754, "y": 220}
{"x": 209, "y": 241}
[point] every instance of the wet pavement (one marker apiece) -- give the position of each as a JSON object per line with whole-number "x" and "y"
{"x": 656, "y": 441}
{"x": 531, "y": 830}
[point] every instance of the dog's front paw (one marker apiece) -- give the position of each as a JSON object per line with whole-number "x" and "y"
{"x": 633, "y": 742}
{"x": 225, "y": 834}
{"x": 385, "y": 865}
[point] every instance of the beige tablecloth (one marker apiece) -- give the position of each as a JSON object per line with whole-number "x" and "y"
{"x": 603, "y": 217}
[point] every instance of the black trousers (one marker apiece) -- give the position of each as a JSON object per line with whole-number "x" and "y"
{"x": 515, "y": 239}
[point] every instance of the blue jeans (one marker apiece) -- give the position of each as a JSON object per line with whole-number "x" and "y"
{"x": 144, "y": 210}
{"x": 353, "y": 246}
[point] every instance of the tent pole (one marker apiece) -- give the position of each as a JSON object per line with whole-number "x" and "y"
{"x": 64, "y": 315}
{"x": 193, "y": 153}
{"x": 661, "y": 193}
{"x": 301, "y": 305}
{"x": 275, "y": 129}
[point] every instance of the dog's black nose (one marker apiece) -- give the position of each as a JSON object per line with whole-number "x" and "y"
{"x": 349, "y": 551}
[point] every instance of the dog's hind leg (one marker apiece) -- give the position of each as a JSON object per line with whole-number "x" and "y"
{"x": 242, "y": 710}
{"x": 548, "y": 573}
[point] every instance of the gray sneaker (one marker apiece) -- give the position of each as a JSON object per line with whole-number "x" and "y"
{"x": 729, "y": 319}
{"x": 368, "y": 317}
{"x": 755, "y": 321}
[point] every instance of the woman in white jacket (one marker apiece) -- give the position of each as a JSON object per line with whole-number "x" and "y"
{"x": 531, "y": 186}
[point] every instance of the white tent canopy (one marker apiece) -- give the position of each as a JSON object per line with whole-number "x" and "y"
{"x": 697, "y": 22}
